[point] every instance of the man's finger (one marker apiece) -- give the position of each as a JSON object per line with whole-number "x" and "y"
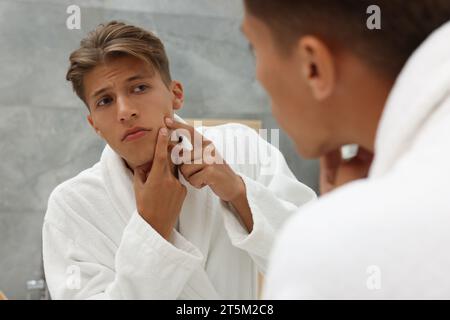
{"x": 332, "y": 159}
{"x": 190, "y": 169}
{"x": 160, "y": 161}
{"x": 173, "y": 124}
{"x": 139, "y": 177}
{"x": 329, "y": 165}
{"x": 364, "y": 155}
{"x": 199, "y": 179}
{"x": 195, "y": 138}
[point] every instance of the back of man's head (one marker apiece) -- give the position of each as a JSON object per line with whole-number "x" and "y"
{"x": 342, "y": 23}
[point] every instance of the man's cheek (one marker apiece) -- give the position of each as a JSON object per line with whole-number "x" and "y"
{"x": 276, "y": 112}
{"x": 259, "y": 73}
{"x": 265, "y": 76}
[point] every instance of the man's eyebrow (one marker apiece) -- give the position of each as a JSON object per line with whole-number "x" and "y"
{"x": 138, "y": 77}
{"x": 99, "y": 92}
{"x": 135, "y": 77}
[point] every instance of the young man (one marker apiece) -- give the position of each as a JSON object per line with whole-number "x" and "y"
{"x": 141, "y": 224}
{"x": 333, "y": 81}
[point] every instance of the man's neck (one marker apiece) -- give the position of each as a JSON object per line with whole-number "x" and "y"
{"x": 364, "y": 118}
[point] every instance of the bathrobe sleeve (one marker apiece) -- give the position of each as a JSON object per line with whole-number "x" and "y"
{"x": 145, "y": 266}
{"x": 273, "y": 194}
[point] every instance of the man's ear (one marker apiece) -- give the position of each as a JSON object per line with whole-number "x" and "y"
{"x": 91, "y": 122}
{"x": 317, "y": 66}
{"x": 178, "y": 95}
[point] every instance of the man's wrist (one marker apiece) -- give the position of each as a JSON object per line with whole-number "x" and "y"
{"x": 159, "y": 226}
{"x": 242, "y": 207}
{"x": 240, "y": 191}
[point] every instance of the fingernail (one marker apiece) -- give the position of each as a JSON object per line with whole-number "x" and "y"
{"x": 169, "y": 121}
{"x": 163, "y": 131}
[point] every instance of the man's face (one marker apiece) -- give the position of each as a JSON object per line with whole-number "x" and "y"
{"x": 281, "y": 75}
{"x": 125, "y": 93}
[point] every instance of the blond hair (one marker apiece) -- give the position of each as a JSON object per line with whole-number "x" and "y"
{"x": 116, "y": 39}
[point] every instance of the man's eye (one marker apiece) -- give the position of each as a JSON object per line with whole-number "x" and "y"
{"x": 140, "y": 88}
{"x": 104, "y": 101}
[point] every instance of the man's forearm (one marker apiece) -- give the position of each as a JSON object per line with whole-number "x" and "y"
{"x": 242, "y": 207}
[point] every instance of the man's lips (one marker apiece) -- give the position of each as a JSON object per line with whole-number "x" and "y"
{"x": 134, "y": 134}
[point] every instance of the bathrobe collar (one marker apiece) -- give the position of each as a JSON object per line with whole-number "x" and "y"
{"x": 418, "y": 92}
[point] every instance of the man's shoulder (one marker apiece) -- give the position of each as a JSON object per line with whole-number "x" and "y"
{"x": 85, "y": 183}
{"x": 357, "y": 222}
{"x": 237, "y": 143}
{"x": 232, "y": 137}
{"x": 231, "y": 129}
{"x": 79, "y": 207}
{"x": 356, "y": 203}
{"x": 325, "y": 241}
{"x": 331, "y": 246}
{"x": 337, "y": 227}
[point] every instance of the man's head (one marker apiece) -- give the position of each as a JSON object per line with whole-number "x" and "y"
{"x": 328, "y": 75}
{"x": 121, "y": 72}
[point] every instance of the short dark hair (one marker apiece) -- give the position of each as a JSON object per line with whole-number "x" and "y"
{"x": 405, "y": 25}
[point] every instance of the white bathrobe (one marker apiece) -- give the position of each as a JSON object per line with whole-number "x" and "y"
{"x": 387, "y": 236}
{"x": 96, "y": 245}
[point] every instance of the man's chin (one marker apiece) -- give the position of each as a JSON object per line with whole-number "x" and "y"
{"x": 308, "y": 152}
{"x": 145, "y": 165}
{"x": 142, "y": 164}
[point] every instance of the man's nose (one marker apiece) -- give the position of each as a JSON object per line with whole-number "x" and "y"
{"x": 126, "y": 110}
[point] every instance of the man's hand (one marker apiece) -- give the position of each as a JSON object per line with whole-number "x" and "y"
{"x": 204, "y": 166}
{"x": 335, "y": 172}
{"x": 159, "y": 196}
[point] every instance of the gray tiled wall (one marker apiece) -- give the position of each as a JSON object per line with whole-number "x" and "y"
{"x": 45, "y": 138}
